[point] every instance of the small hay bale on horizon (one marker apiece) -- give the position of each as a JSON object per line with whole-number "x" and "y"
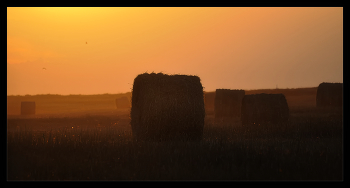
{"x": 122, "y": 103}
{"x": 264, "y": 108}
{"x": 27, "y": 108}
{"x": 167, "y": 107}
{"x": 228, "y": 103}
{"x": 329, "y": 95}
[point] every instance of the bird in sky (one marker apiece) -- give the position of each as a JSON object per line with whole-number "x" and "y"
{"x": 44, "y": 68}
{"x": 86, "y": 42}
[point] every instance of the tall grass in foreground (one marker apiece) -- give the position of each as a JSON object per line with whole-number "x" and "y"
{"x": 306, "y": 148}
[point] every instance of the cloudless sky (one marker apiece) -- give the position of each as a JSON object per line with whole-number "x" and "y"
{"x": 102, "y": 50}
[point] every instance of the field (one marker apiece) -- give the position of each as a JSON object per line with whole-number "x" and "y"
{"x": 87, "y": 138}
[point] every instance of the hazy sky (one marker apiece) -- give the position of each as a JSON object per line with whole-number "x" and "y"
{"x": 102, "y": 50}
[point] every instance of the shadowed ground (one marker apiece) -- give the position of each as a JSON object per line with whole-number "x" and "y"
{"x": 98, "y": 145}
{"x": 309, "y": 147}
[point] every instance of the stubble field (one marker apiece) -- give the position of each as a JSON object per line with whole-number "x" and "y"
{"x": 98, "y": 145}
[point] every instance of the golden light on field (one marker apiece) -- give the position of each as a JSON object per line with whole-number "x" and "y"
{"x": 72, "y": 50}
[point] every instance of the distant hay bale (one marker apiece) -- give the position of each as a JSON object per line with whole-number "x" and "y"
{"x": 329, "y": 95}
{"x": 263, "y": 108}
{"x": 228, "y": 103}
{"x": 27, "y": 108}
{"x": 122, "y": 103}
{"x": 167, "y": 107}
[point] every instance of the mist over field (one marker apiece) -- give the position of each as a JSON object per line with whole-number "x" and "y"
{"x": 49, "y": 104}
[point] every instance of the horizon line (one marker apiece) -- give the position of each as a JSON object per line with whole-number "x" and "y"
{"x": 131, "y": 92}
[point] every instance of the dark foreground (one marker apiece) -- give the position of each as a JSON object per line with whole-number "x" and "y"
{"x": 308, "y": 147}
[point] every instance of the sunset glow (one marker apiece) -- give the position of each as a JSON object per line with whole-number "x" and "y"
{"x": 101, "y": 50}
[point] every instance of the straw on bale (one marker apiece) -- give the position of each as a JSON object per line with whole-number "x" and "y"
{"x": 329, "y": 95}
{"x": 263, "y": 108}
{"x": 122, "y": 103}
{"x": 27, "y": 108}
{"x": 228, "y": 103}
{"x": 167, "y": 107}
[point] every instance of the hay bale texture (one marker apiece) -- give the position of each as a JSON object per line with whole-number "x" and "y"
{"x": 228, "y": 103}
{"x": 329, "y": 95}
{"x": 167, "y": 107}
{"x": 122, "y": 103}
{"x": 263, "y": 108}
{"x": 27, "y": 108}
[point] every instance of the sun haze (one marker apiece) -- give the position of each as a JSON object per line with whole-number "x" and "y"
{"x": 101, "y": 50}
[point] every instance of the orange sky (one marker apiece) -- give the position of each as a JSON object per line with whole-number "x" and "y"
{"x": 232, "y": 48}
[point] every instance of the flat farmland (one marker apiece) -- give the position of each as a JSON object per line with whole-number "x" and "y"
{"x": 88, "y": 138}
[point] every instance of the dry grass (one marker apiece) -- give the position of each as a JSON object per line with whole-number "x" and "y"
{"x": 100, "y": 147}
{"x": 308, "y": 147}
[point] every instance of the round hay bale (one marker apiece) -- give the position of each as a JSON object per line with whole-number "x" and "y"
{"x": 228, "y": 103}
{"x": 329, "y": 95}
{"x": 263, "y": 108}
{"x": 167, "y": 107}
{"x": 27, "y": 108}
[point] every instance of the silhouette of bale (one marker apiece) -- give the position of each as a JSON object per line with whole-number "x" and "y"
{"x": 263, "y": 108}
{"x": 27, "y": 108}
{"x": 329, "y": 95}
{"x": 122, "y": 103}
{"x": 228, "y": 103}
{"x": 167, "y": 107}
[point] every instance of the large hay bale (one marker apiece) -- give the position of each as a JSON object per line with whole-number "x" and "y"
{"x": 228, "y": 103}
{"x": 167, "y": 107}
{"x": 329, "y": 95}
{"x": 27, "y": 108}
{"x": 122, "y": 103}
{"x": 263, "y": 108}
